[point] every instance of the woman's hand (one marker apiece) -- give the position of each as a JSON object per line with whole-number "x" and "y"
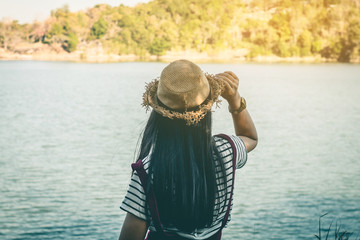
{"x": 244, "y": 126}
{"x": 230, "y": 92}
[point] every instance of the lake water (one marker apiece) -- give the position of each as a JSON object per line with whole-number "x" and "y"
{"x": 68, "y": 132}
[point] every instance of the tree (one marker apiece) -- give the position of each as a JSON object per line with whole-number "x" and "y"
{"x": 99, "y": 29}
{"x": 304, "y": 42}
{"x": 71, "y": 43}
{"x": 281, "y": 27}
{"x": 349, "y": 45}
{"x": 281, "y": 49}
{"x": 280, "y": 21}
{"x": 10, "y": 33}
{"x": 159, "y": 47}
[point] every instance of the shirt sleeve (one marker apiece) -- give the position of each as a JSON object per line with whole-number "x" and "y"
{"x": 241, "y": 156}
{"x": 225, "y": 148}
{"x": 135, "y": 199}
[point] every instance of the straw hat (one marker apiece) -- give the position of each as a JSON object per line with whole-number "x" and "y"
{"x": 183, "y": 91}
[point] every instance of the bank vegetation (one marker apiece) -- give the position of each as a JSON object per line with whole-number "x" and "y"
{"x": 310, "y": 30}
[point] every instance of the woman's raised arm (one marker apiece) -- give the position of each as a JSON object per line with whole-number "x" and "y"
{"x": 243, "y": 124}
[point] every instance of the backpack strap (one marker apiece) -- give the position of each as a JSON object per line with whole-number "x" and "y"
{"x": 139, "y": 168}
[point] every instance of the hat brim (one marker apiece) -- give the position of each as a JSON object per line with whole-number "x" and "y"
{"x": 150, "y": 99}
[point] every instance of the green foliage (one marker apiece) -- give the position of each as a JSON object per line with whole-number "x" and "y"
{"x": 345, "y": 52}
{"x": 56, "y": 29}
{"x": 294, "y": 50}
{"x": 257, "y": 50}
{"x": 280, "y": 22}
{"x": 332, "y": 50}
{"x": 71, "y": 43}
{"x": 316, "y": 46}
{"x": 99, "y": 29}
{"x": 305, "y": 42}
{"x": 61, "y": 12}
{"x": 283, "y": 28}
{"x": 281, "y": 49}
{"x": 354, "y": 32}
{"x": 159, "y": 47}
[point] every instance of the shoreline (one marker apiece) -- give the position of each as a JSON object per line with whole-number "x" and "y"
{"x": 91, "y": 56}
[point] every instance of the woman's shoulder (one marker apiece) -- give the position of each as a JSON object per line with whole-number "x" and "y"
{"x": 227, "y": 140}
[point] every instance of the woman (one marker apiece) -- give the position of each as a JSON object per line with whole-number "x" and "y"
{"x": 183, "y": 181}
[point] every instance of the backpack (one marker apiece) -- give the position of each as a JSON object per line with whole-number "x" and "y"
{"x": 160, "y": 234}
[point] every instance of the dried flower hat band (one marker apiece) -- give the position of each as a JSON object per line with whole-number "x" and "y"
{"x": 183, "y": 91}
{"x": 150, "y": 99}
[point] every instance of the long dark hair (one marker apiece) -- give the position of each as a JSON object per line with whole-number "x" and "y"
{"x": 183, "y": 160}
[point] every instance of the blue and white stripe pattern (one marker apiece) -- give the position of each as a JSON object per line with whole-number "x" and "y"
{"x": 134, "y": 201}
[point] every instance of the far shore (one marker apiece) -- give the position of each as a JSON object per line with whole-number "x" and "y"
{"x": 96, "y": 56}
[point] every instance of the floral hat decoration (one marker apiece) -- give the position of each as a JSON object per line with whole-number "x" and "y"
{"x": 183, "y": 91}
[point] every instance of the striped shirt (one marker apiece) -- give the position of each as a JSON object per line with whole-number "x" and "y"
{"x": 135, "y": 199}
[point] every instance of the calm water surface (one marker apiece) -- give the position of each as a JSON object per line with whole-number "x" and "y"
{"x": 68, "y": 133}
